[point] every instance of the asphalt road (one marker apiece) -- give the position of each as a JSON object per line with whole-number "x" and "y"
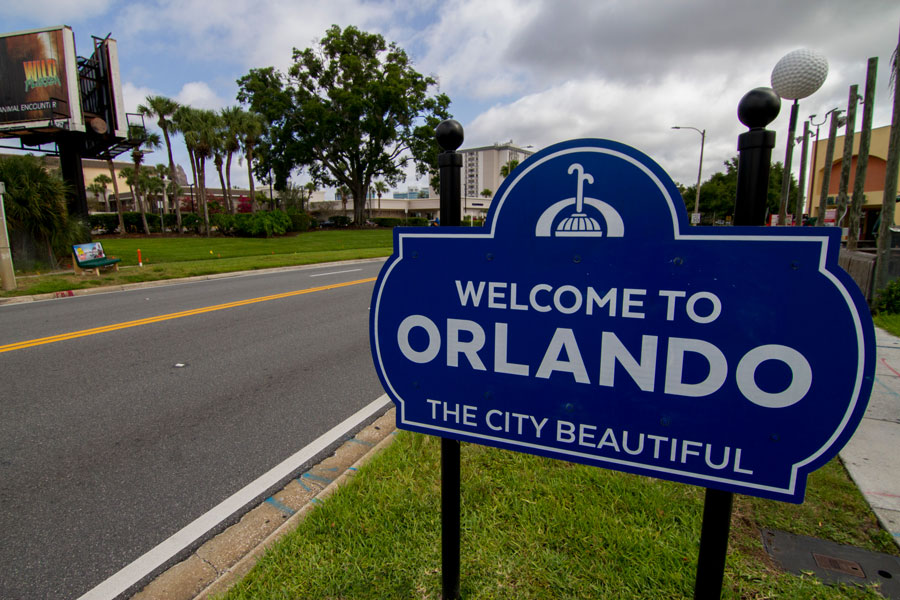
{"x": 107, "y": 447}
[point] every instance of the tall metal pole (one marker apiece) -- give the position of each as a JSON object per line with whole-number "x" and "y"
{"x": 847, "y": 156}
{"x": 7, "y": 273}
{"x": 757, "y": 108}
{"x": 829, "y": 160}
{"x": 700, "y": 168}
{"x": 889, "y": 198}
{"x": 801, "y": 187}
{"x": 449, "y": 137}
{"x": 786, "y": 173}
{"x": 862, "y": 160}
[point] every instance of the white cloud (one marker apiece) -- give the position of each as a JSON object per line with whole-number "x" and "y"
{"x": 135, "y": 95}
{"x": 60, "y": 11}
{"x": 199, "y": 94}
{"x": 246, "y": 33}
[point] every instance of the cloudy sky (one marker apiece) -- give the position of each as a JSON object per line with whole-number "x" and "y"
{"x": 532, "y": 71}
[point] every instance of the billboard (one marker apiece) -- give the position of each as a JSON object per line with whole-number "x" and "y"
{"x": 101, "y": 90}
{"x": 39, "y": 81}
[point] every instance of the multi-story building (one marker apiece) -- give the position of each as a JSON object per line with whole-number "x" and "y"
{"x": 481, "y": 166}
{"x": 873, "y": 186}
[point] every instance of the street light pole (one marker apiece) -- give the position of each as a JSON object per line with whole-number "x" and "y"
{"x": 700, "y": 168}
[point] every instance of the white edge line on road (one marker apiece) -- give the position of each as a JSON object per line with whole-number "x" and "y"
{"x": 143, "y": 566}
{"x": 335, "y": 273}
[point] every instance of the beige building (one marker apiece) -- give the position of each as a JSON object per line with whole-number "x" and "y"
{"x": 873, "y": 188}
{"x": 481, "y": 166}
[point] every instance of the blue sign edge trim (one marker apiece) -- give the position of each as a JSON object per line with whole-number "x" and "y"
{"x": 827, "y": 237}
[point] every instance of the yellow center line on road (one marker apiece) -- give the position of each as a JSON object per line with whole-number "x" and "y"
{"x": 187, "y": 313}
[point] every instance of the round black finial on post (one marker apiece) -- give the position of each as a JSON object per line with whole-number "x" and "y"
{"x": 757, "y": 108}
{"x": 449, "y": 135}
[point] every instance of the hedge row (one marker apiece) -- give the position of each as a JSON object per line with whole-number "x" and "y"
{"x": 258, "y": 224}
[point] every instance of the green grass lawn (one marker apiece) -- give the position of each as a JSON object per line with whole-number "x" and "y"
{"x": 889, "y": 322}
{"x": 540, "y": 528}
{"x": 156, "y": 250}
{"x": 175, "y": 257}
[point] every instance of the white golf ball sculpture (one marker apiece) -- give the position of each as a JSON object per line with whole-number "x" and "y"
{"x": 799, "y": 74}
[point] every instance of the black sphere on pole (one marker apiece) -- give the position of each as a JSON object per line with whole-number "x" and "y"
{"x": 757, "y": 108}
{"x": 450, "y": 136}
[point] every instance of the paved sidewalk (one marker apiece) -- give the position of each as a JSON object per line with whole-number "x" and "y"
{"x": 871, "y": 455}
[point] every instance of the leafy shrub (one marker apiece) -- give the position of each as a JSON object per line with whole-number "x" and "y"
{"x": 133, "y": 223}
{"x": 417, "y": 221}
{"x": 191, "y": 222}
{"x": 258, "y": 224}
{"x": 224, "y": 222}
{"x": 888, "y": 299}
{"x": 300, "y": 221}
{"x": 106, "y": 223}
{"x": 388, "y": 221}
{"x": 340, "y": 220}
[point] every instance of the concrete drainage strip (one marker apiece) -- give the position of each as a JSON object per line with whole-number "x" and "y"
{"x": 223, "y": 560}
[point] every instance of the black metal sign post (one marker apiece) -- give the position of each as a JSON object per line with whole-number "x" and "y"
{"x": 449, "y": 137}
{"x": 757, "y": 108}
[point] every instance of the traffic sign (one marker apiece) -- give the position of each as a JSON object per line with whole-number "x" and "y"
{"x": 587, "y": 321}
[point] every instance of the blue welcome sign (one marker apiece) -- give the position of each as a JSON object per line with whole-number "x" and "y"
{"x": 587, "y": 321}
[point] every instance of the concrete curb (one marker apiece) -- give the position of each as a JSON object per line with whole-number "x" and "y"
{"x": 163, "y": 282}
{"x": 223, "y": 560}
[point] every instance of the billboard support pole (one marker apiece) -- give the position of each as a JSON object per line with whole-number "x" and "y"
{"x": 449, "y": 136}
{"x": 7, "y": 274}
{"x": 757, "y": 108}
{"x": 71, "y": 148}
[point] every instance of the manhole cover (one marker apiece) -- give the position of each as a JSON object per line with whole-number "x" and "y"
{"x": 833, "y": 563}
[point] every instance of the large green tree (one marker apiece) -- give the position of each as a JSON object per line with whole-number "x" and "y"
{"x": 717, "y": 194}
{"x": 351, "y": 110}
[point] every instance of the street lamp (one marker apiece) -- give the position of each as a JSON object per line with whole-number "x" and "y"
{"x": 812, "y": 169}
{"x": 699, "y": 170}
{"x": 797, "y": 75}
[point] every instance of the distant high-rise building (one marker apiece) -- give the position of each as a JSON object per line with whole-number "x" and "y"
{"x": 481, "y": 166}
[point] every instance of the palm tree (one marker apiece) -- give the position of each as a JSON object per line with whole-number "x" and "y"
{"x": 218, "y": 152}
{"x": 127, "y": 173}
{"x": 508, "y": 168}
{"x": 103, "y": 181}
{"x": 149, "y": 142}
{"x": 183, "y": 119}
{"x": 486, "y": 193}
{"x": 344, "y": 192}
{"x": 199, "y": 130}
{"x": 310, "y": 189}
{"x": 164, "y": 109}
{"x": 153, "y": 184}
{"x": 232, "y": 118}
{"x": 252, "y": 127}
{"x": 380, "y": 188}
{"x": 119, "y": 208}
